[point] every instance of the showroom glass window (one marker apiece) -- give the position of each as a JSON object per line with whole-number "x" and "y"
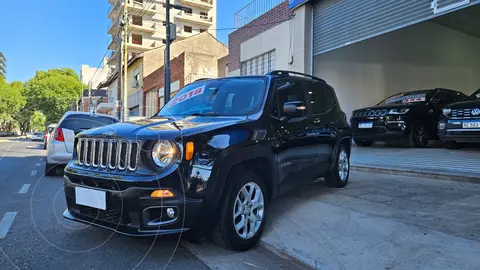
{"x": 258, "y": 65}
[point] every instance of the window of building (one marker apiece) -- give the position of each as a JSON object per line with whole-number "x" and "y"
{"x": 137, "y": 20}
{"x": 187, "y": 29}
{"x": 138, "y": 1}
{"x": 188, "y": 12}
{"x": 204, "y": 15}
{"x": 137, "y": 39}
{"x": 136, "y": 78}
{"x": 164, "y": 41}
{"x": 258, "y": 65}
{"x": 202, "y": 30}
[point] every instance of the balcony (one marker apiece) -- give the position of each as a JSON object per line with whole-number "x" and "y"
{"x": 114, "y": 44}
{"x": 182, "y": 34}
{"x": 142, "y": 7}
{"x": 138, "y": 45}
{"x": 112, "y": 1}
{"x": 114, "y": 27}
{"x": 204, "y": 4}
{"x": 194, "y": 18}
{"x": 148, "y": 28}
{"x": 113, "y": 58}
{"x": 114, "y": 10}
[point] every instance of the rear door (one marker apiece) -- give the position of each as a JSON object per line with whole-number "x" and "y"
{"x": 76, "y": 123}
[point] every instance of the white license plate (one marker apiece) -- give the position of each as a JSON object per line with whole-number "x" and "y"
{"x": 471, "y": 124}
{"x": 365, "y": 125}
{"x": 91, "y": 198}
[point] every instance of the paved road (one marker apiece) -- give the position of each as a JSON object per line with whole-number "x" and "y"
{"x": 39, "y": 237}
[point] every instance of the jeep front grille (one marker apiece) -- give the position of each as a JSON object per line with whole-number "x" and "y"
{"x": 111, "y": 154}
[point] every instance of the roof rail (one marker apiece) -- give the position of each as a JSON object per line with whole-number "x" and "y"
{"x": 202, "y": 79}
{"x": 293, "y": 73}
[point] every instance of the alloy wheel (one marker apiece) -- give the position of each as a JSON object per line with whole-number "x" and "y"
{"x": 421, "y": 136}
{"x": 343, "y": 165}
{"x": 248, "y": 211}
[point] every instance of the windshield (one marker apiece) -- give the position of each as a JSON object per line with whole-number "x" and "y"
{"x": 408, "y": 97}
{"x": 475, "y": 95}
{"x": 222, "y": 97}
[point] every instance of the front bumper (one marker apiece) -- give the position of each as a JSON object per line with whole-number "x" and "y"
{"x": 381, "y": 130}
{"x": 454, "y": 131}
{"x": 129, "y": 209}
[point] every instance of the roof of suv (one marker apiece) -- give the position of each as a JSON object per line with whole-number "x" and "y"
{"x": 276, "y": 73}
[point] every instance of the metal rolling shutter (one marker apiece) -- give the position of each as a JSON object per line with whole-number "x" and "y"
{"x": 337, "y": 23}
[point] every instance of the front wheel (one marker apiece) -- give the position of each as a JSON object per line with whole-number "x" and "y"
{"x": 242, "y": 216}
{"x": 418, "y": 136}
{"x": 338, "y": 176}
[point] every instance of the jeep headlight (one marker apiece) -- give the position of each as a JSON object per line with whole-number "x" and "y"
{"x": 446, "y": 111}
{"x": 164, "y": 153}
{"x": 398, "y": 111}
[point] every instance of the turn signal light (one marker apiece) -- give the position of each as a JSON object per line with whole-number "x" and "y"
{"x": 162, "y": 193}
{"x": 189, "y": 151}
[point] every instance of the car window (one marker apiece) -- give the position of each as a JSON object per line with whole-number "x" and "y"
{"x": 78, "y": 123}
{"x": 38, "y": 134}
{"x": 455, "y": 96}
{"x": 287, "y": 91}
{"x": 475, "y": 95}
{"x": 445, "y": 97}
{"x": 218, "y": 97}
{"x": 320, "y": 97}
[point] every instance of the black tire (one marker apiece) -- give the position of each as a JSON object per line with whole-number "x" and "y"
{"x": 418, "y": 136}
{"x": 44, "y": 146}
{"x": 50, "y": 169}
{"x": 224, "y": 233}
{"x": 333, "y": 179}
{"x": 363, "y": 143}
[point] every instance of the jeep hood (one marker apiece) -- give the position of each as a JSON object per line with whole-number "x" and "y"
{"x": 393, "y": 106}
{"x": 159, "y": 128}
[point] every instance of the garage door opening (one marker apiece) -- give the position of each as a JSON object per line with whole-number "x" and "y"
{"x": 443, "y": 52}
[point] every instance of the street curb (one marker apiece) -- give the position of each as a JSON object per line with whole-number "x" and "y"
{"x": 439, "y": 176}
{"x": 293, "y": 261}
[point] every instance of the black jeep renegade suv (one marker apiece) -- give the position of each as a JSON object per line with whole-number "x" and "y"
{"x": 409, "y": 116}
{"x": 211, "y": 159}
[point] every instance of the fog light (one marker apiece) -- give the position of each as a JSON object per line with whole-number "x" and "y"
{"x": 441, "y": 125}
{"x": 170, "y": 212}
{"x": 403, "y": 127}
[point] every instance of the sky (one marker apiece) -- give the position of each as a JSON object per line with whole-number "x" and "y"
{"x": 40, "y": 35}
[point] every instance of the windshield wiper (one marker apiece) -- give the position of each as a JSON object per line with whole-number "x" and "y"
{"x": 203, "y": 114}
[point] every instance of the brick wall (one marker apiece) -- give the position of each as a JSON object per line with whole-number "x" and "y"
{"x": 155, "y": 80}
{"x": 261, "y": 24}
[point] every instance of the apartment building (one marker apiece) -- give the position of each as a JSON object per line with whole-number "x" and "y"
{"x": 146, "y": 21}
{"x": 92, "y": 75}
{"x": 3, "y": 65}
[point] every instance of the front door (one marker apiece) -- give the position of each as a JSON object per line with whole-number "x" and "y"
{"x": 293, "y": 143}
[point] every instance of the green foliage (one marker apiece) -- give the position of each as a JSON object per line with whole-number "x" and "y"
{"x": 37, "y": 121}
{"x": 52, "y": 92}
{"x": 11, "y": 102}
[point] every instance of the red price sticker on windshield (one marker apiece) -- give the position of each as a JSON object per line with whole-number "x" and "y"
{"x": 190, "y": 94}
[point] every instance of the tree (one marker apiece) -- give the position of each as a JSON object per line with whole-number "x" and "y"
{"x": 37, "y": 121}
{"x": 11, "y": 102}
{"x": 52, "y": 92}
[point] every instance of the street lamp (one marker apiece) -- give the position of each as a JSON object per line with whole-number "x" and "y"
{"x": 167, "y": 43}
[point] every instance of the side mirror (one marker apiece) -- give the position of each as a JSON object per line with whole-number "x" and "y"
{"x": 294, "y": 108}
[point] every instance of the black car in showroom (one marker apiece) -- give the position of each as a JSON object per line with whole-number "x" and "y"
{"x": 211, "y": 160}
{"x": 460, "y": 122}
{"x": 411, "y": 117}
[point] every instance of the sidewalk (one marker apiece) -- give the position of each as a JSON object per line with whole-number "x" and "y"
{"x": 433, "y": 162}
{"x": 379, "y": 221}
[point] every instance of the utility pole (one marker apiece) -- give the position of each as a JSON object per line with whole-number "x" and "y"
{"x": 167, "y": 53}
{"x": 89, "y": 96}
{"x": 169, "y": 38}
{"x": 124, "y": 55}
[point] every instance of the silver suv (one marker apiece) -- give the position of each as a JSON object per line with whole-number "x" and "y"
{"x": 60, "y": 143}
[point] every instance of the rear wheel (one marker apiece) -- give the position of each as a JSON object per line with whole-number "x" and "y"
{"x": 418, "y": 136}
{"x": 363, "y": 143}
{"x": 242, "y": 216}
{"x": 50, "y": 169}
{"x": 340, "y": 173}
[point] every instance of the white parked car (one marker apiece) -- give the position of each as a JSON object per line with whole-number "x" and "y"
{"x": 37, "y": 136}
{"x": 60, "y": 142}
